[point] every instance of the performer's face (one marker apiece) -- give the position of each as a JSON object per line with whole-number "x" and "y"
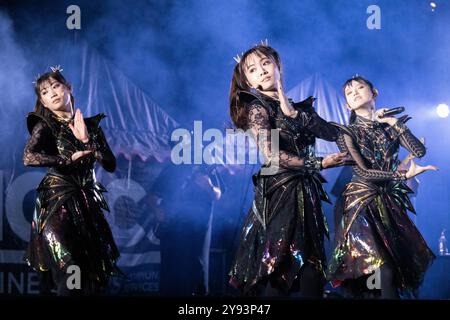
{"x": 261, "y": 72}
{"x": 358, "y": 95}
{"x": 54, "y": 95}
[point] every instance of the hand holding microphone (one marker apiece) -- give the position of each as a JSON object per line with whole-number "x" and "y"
{"x": 385, "y": 115}
{"x": 392, "y": 112}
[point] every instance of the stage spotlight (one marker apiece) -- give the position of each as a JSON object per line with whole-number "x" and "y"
{"x": 442, "y": 110}
{"x": 433, "y": 5}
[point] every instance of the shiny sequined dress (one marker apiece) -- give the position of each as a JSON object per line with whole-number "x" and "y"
{"x": 68, "y": 226}
{"x": 375, "y": 227}
{"x": 285, "y": 227}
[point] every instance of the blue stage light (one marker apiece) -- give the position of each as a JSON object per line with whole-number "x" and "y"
{"x": 442, "y": 110}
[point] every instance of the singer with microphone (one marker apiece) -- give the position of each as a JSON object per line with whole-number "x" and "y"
{"x": 392, "y": 112}
{"x": 376, "y": 239}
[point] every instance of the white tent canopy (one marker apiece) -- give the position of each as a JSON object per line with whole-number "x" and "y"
{"x": 135, "y": 124}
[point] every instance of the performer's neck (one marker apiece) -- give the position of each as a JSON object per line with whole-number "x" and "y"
{"x": 367, "y": 112}
{"x": 63, "y": 114}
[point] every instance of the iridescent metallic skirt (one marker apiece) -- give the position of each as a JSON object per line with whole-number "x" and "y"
{"x": 69, "y": 228}
{"x": 284, "y": 229}
{"x": 376, "y": 229}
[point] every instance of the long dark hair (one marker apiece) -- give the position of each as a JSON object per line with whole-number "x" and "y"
{"x": 239, "y": 83}
{"x": 57, "y": 75}
{"x": 359, "y": 79}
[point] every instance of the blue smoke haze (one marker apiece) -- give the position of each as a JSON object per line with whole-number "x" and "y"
{"x": 180, "y": 54}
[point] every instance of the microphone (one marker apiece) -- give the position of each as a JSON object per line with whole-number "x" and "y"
{"x": 393, "y": 111}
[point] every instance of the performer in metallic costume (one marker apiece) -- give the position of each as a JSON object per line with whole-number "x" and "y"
{"x": 376, "y": 234}
{"x": 68, "y": 227}
{"x": 282, "y": 241}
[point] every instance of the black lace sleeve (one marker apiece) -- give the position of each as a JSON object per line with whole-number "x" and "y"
{"x": 35, "y": 154}
{"x": 346, "y": 144}
{"x": 317, "y": 125}
{"x": 408, "y": 140}
{"x": 102, "y": 152}
{"x": 258, "y": 120}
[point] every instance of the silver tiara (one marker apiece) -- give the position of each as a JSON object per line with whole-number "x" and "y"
{"x": 53, "y": 69}
{"x": 56, "y": 68}
{"x": 264, "y": 42}
{"x": 36, "y": 78}
{"x": 238, "y": 57}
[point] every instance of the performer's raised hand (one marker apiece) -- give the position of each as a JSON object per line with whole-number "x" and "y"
{"x": 79, "y": 128}
{"x": 404, "y": 163}
{"x": 379, "y": 117}
{"x": 285, "y": 105}
{"x": 415, "y": 169}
